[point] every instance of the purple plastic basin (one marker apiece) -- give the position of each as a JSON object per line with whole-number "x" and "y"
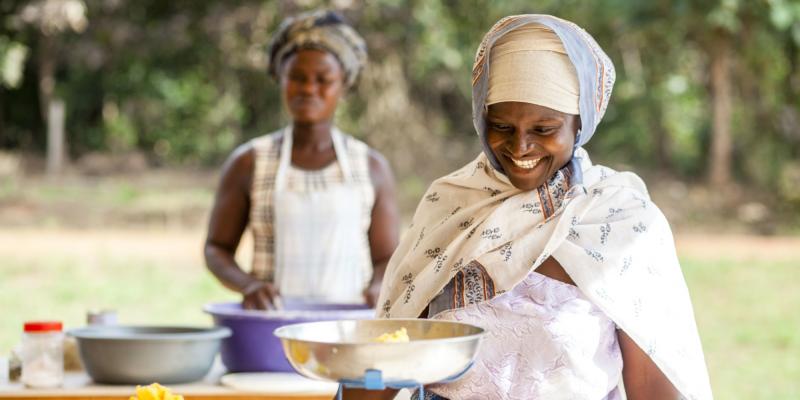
{"x": 253, "y": 348}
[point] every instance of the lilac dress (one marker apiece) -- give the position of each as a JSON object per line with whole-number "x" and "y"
{"x": 545, "y": 340}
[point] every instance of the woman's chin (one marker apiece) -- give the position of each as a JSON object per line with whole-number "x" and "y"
{"x": 525, "y": 183}
{"x": 525, "y": 178}
{"x": 306, "y": 119}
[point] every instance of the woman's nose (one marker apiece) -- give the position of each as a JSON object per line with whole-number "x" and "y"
{"x": 519, "y": 145}
{"x": 308, "y": 86}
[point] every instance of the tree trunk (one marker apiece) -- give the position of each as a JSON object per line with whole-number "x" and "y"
{"x": 52, "y": 109}
{"x": 721, "y": 141}
{"x": 55, "y": 137}
{"x": 47, "y": 68}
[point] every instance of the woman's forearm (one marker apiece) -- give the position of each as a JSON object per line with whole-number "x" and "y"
{"x": 642, "y": 378}
{"x": 222, "y": 264}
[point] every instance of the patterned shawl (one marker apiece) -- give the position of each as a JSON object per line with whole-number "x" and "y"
{"x": 324, "y": 30}
{"x": 603, "y": 229}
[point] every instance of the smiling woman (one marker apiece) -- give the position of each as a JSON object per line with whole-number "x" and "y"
{"x": 568, "y": 266}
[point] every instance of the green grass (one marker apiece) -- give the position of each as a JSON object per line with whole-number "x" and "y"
{"x": 141, "y": 289}
{"x": 748, "y": 311}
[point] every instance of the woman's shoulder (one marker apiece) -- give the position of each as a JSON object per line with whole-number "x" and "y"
{"x": 618, "y": 195}
{"x": 355, "y": 144}
{"x": 377, "y": 162}
{"x": 380, "y": 170}
{"x": 237, "y": 171}
{"x": 599, "y": 177}
{"x": 267, "y": 141}
{"x": 241, "y": 160}
{"x": 379, "y": 167}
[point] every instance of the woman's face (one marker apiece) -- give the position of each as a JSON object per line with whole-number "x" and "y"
{"x": 312, "y": 82}
{"x": 531, "y": 142}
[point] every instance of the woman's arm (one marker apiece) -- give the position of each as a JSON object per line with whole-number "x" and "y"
{"x": 642, "y": 378}
{"x": 229, "y": 218}
{"x": 383, "y": 230}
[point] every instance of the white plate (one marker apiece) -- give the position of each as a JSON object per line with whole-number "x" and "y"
{"x": 278, "y": 383}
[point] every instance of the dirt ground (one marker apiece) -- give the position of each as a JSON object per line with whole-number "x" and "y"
{"x": 184, "y": 247}
{"x": 737, "y": 247}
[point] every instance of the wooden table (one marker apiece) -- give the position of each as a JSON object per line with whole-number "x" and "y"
{"x": 78, "y": 385}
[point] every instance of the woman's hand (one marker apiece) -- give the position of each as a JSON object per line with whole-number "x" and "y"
{"x": 260, "y": 296}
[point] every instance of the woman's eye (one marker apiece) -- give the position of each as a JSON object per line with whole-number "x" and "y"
{"x": 501, "y": 127}
{"x": 545, "y": 130}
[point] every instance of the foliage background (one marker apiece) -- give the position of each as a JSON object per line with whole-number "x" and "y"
{"x": 183, "y": 81}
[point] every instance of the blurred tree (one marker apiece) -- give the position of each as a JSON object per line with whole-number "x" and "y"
{"x": 50, "y": 18}
{"x": 705, "y": 88}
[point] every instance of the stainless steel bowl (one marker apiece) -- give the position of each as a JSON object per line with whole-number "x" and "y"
{"x": 143, "y": 355}
{"x": 344, "y": 350}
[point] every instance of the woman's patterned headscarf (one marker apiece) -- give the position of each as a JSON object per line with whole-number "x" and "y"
{"x": 595, "y": 74}
{"x": 324, "y": 30}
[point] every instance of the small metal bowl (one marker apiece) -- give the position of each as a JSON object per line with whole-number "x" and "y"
{"x": 143, "y": 355}
{"x": 344, "y": 350}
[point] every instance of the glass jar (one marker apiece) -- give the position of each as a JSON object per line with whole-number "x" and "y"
{"x": 101, "y": 317}
{"x": 43, "y": 354}
{"x": 4, "y": 371}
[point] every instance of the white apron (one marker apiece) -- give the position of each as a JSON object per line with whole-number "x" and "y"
{"x": 317, "y": 235}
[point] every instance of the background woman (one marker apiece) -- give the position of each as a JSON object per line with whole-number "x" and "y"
{"x": 320, "y": 204}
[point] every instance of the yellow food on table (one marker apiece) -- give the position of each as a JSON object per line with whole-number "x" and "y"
{"x": 398, "y": 336}
{"x": 154, "y": 392}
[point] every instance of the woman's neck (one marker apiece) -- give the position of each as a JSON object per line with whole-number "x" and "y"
{"x": 315, "y": 137}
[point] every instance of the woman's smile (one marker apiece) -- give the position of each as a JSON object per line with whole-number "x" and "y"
{"x": 525, "y": 163}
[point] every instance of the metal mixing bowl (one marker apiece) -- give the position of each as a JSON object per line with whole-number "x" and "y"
{"x": 344, "y": 350}
{"x": 143, "y": 355}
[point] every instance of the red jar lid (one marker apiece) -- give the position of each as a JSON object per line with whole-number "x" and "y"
{"x": 43, "y": 326}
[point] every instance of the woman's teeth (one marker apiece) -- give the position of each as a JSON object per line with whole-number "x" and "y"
{"x": 526, "y": 164}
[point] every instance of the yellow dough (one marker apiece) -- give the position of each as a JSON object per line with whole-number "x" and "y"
{"x": 398, "y": 336}
{"x": 154, "y": 392}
